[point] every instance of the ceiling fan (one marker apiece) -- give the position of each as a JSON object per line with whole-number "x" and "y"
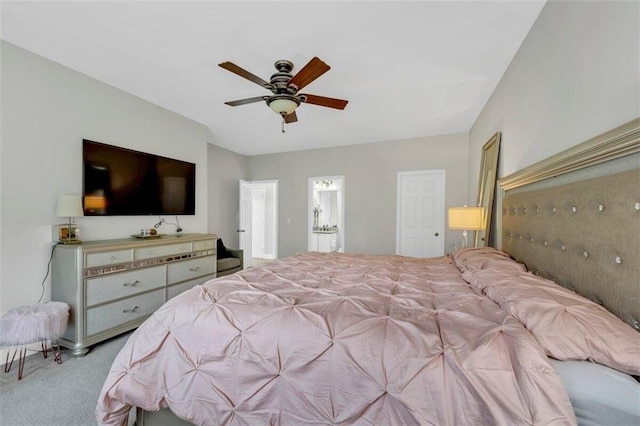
{"x": 284, "y": 87}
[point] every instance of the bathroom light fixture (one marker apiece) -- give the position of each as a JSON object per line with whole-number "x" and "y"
{"x": 467, "y": 219}
{"x": 69, "y": 206}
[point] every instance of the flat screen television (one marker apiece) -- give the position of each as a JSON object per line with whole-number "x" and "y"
{"x": 123, "y": 182}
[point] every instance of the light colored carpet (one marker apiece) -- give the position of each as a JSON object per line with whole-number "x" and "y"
{"x": 51, "y": 394}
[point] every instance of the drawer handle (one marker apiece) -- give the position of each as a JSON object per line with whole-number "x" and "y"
{"x": 130, "y": 311}
{"x": 133, "y": 284}
{"x": 196, "y": 269}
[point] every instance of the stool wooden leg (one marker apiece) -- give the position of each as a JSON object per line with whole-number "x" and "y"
{"x": 45, "y": 349}
{"x": 23, "y": 355}
{"x": 57, "y": 356}
{"x": 7, "y": 364}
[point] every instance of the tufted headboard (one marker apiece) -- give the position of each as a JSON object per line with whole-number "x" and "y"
{"x": 575, "y": 219}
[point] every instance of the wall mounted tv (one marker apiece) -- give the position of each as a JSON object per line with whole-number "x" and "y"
{"x": 123, "y": 182}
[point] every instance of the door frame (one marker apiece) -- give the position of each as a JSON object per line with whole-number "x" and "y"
{"x": 275, "y": 185}
{"x": 341, "y": 224}
{"x": 244, "y": 222}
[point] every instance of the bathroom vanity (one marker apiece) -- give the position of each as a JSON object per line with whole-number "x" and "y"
{"x": 325, "y": 240}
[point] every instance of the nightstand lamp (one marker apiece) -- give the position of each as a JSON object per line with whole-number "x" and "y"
{"x": 467, "y": 219}
{"x": 69, "y": 206}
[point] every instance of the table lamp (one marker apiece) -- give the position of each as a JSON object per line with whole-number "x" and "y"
{"x": 69, "y": 206}
{"x": 467, "y": 219}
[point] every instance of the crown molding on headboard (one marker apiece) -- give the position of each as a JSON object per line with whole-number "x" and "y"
{"x": 616, "y": 143}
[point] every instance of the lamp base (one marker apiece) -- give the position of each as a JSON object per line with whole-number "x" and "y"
{"x": 66, "y": 234}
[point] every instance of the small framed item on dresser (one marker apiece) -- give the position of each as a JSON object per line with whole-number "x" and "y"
{"x": 66, "y": 234}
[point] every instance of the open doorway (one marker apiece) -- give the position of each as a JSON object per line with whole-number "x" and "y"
{"x": 326, "y": 214}
{"x": 259, "y": 221}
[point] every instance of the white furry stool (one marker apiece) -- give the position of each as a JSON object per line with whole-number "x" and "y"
{"x": 42, "y": 322}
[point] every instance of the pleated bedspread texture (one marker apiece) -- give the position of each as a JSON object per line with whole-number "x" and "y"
{"x": 323, "y": 338}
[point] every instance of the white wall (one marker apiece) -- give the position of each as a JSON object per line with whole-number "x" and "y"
{"x": 46, "y": 111}
{"x": 575, "y": 76}
{"x": 370, "y": 172}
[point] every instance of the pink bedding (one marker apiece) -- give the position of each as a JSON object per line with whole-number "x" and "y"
{"x": 323, "y": 338}
{"x": 568, "y": 326}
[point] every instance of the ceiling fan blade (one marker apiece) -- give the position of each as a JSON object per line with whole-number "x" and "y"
{"x": 230, "y": 66}
{"x": 245, "y": 101}
{"x": 291, "y": 118}
{"x": 324, "y": 101}
{"x": 314, "y": 69}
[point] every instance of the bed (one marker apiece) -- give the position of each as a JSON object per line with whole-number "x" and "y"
{"x": 476, "y": 337}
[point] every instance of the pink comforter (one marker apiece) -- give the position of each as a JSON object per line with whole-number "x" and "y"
{"x": 336, "y": 339}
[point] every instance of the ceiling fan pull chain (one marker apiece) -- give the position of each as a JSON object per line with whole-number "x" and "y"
{"x": 283, "y": 124}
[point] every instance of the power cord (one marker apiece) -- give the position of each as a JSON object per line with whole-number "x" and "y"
{"x": 162, "y": 220}
{"x": 48, "y": 268}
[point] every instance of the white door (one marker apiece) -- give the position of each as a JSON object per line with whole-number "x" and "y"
{"x": 257, "y": 221}
{"x": 420, "y": 213}
{"x": 244, "y": 226}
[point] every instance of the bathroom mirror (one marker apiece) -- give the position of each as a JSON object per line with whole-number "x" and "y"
{"x": 326, "y": 214}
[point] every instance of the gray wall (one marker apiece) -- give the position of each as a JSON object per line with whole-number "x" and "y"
{"x": 575, "y": 76}
{"x": 226, "y": 168}
{"x": 46, "y": 111}
{"x": 370, "y": 172}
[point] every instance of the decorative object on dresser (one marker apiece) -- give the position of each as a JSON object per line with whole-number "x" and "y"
{"x": 228, "y": 260}
{"x": 42, "y": 323}
{"x": 466, "y": 219}
{"x": 112, "y": 286}
{"x": 68, "y": 206}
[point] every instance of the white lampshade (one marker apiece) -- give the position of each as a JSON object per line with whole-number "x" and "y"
{"x": 283, "y": 105}
{"x": 466, "y": 218}
{"x": 69, "y": 206}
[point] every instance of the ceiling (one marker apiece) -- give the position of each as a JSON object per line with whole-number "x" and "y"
{"x": 408, "y": 69}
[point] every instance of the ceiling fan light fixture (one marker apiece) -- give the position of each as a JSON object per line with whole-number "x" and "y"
{"x": 283, "y": 105}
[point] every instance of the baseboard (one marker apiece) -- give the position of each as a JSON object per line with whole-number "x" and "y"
{"x": 267, "y": 256}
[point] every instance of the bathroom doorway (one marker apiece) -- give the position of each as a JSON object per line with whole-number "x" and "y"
{"x": 326, "y": 232}
{"x": 259, "y": 221}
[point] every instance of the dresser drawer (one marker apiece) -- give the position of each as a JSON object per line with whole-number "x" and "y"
{"x": 104, "y": 317}
{"x": 115, "y": 286}
{"x": 160, "y": 251}
{"x": 204, "y": 245}
{"x": 189, "y": 269}
{"x": 176, "y": 289}
{"x": 108, "y": 258}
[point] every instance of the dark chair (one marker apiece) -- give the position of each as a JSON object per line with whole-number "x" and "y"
{"x": 229, "y": 260}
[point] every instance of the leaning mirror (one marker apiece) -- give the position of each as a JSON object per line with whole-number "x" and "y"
{"x": 487, "y": 186}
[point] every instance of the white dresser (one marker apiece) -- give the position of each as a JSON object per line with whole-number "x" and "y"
{"x": 112, "y": 286}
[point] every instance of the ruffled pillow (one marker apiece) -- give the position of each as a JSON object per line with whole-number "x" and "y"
{"x": 567, "y": 326}
{"x": 480, "y": 258}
